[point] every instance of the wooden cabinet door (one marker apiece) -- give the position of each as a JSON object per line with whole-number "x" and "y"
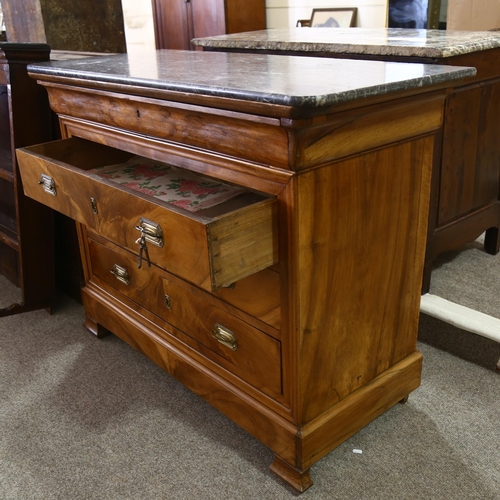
{"x": 177, "y": 22}
{"x": 208, "y": 18}
{"x": 469, "y": 175}
{"x": 456, "y": 192}
{"x": 487, "y": 179}
{"x": 245, "y": 15}
{"x": 171, "y": 24}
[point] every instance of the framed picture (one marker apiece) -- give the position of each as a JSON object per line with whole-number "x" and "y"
{"x": 303, "y": 23}
{"x": 333, "y": 18}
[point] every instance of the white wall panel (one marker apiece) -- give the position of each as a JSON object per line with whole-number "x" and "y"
{"x": 473, "y": 15}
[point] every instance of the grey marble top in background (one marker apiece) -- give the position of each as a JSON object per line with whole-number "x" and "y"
{"x": 284, "y": 80}
{"x": 383, "y": 41}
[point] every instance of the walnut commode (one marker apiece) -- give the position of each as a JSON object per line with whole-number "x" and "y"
{"x": 293, "y": 307}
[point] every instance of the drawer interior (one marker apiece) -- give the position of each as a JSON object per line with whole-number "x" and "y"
{"x": 166, "y": 183}
{"x": 78, "y": 153}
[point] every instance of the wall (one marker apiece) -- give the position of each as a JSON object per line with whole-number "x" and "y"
{"x": 139, "y": 27}
{"x": 443, "y": 13}
{"x": 473, "y": 15}
{"x": 285, "y": 13}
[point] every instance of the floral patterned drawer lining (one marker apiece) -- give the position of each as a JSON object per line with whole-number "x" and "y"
{"x": 182, "y": 188}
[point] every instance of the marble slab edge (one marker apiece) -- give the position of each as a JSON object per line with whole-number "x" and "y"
{"x": 442, "y": 74}
{"x": 358, "y": 41}
{"x": 344, "y": 48}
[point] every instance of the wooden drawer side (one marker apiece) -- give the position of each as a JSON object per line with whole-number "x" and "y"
{"x": 242, "y": 241}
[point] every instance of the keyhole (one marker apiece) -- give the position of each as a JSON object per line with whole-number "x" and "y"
{"x": 138, "y": 113}
{"x": 93, "y": 204}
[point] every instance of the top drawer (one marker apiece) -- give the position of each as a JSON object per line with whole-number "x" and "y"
{"x": 211, "y": 247}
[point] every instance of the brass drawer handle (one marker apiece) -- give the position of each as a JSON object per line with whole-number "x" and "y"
{"x": 121, "y": 274}
{"x": 48, "y": 184}
{"x": 225, "y": 336}
{"x": 150, "y": 231}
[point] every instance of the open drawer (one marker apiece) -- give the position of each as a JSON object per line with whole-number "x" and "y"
{"x": 210, "y": 246}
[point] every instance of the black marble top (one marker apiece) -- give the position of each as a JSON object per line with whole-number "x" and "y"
{"x": 284, "y": 80}
{"x": 359, "y": 41}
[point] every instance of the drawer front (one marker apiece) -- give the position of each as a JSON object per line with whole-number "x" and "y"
{"x": 242, "y": 349}
{"x": 62, "y": 189}
{"x": 237, "y": 240}
{"x": 119, "y": 271}
{"x": 53, "y": 174}
{"x": 183, "y": 248}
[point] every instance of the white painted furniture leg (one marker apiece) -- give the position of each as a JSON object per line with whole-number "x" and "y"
{"x": 461, "y": 317}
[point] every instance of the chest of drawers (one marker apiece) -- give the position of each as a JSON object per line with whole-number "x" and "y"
{"x": 292, "y": 307}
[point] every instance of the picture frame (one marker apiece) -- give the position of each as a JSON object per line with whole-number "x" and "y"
{"x": 334, "y": 18}
{"x": 303, "y": 23}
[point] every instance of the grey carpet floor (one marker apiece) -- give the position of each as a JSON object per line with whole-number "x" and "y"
{"x": 82, "y": 418}
{"x": 469, "y": 277}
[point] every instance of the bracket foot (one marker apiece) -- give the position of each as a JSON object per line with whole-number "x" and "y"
{"x": 299, "y": 480}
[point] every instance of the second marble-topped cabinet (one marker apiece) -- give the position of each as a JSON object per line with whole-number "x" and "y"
{"x": 466, "y": 183}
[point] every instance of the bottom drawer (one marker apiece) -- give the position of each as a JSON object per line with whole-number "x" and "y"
{"x": 240, "y": 348}
{"x": 244, "y": 350}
